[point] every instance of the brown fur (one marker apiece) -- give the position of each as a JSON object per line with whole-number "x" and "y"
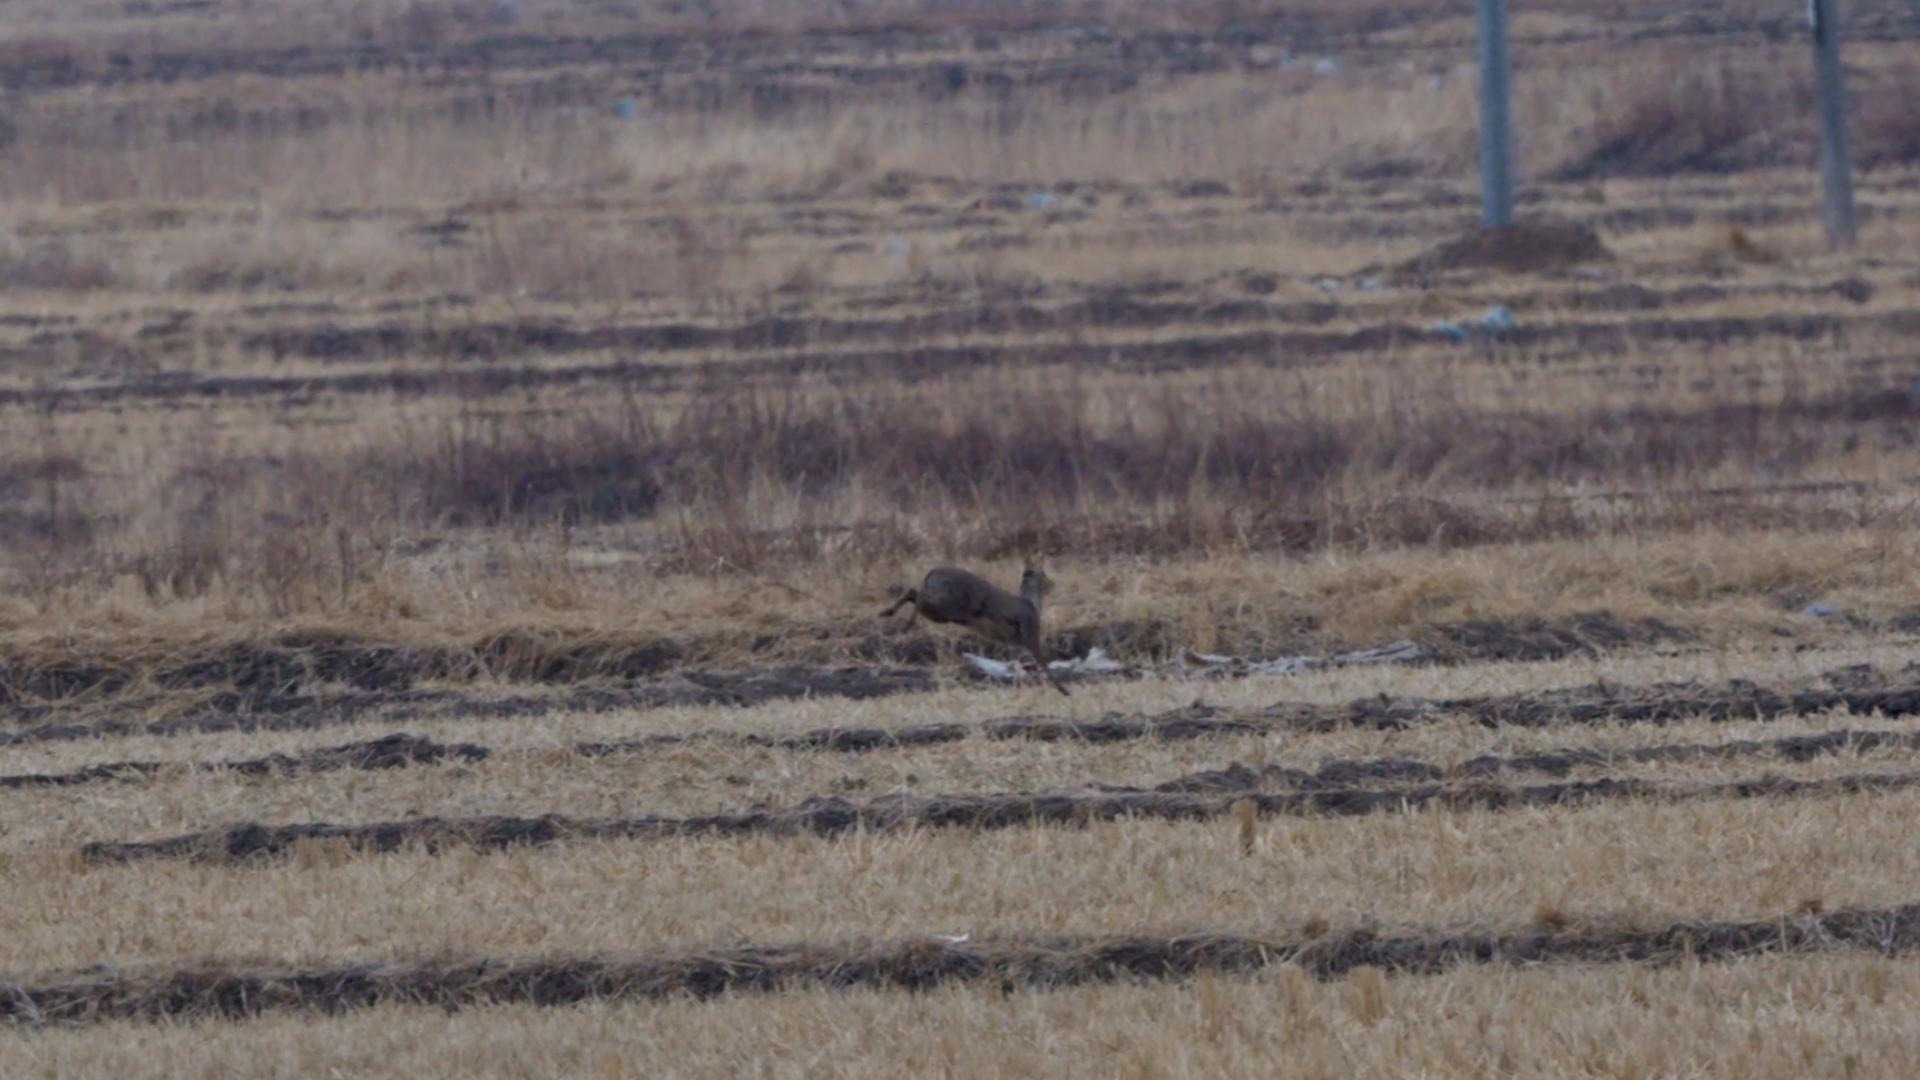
{"x": 952, "y": 595}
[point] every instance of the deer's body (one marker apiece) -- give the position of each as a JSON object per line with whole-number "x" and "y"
{"x": 952, "y": 595}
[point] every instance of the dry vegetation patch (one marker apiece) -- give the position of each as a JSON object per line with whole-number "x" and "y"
{"x": 1766, "y": 1017}
{"x": 452, "y": 455}
{"x": 1640, "y": 857}
{"x": 1527, "y": 248}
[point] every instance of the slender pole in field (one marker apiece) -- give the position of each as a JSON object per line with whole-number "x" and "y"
{"x": 1836, "y": 168}
{"x": 1496, "y": 116}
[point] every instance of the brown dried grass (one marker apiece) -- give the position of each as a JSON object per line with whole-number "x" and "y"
{"x": 1640, "y": 860}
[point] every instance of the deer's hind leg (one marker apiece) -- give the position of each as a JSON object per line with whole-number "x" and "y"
{"x": 912, "y": 602}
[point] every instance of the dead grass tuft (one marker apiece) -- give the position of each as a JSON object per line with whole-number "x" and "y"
{"x": 1525, "y": 248}
{"x": 1715, "y": 118}
{"x": 55, "y": 265}
{"x": 1887, "y": 128}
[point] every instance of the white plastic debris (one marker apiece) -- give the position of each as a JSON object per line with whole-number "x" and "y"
{"x": 992, "y": 669}
{"x": 1498, "y": 320}
{"x": 1200, "y": 659}
{"x": 1399, "y": 652}
{"x": 1285, "y": 665}
{"x": 897, "y": 247}
{"x": 1096, "y": 662}
{"x": 1041, "y": 200}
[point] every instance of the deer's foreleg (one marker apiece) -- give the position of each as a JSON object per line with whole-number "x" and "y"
{"x": 1033, "y": 646}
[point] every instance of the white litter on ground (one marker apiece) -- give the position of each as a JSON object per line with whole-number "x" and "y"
{"x": 1191, "y": 661}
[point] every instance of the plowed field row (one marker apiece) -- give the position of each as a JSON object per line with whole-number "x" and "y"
{"x": 395, "y": 751}
{"x": 236, "y": 991}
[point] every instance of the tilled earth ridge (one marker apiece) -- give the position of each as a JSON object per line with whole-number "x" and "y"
{"x": 236, "y": 991}
{"x": 833, "y": 816}
{"x": 399, "y": 750}
{"x": 387, "y": 752}
{"x": 290, "y": 673}
{"x": 1860, "y": 690}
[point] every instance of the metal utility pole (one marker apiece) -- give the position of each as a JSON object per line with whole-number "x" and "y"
{"x": 1836, "y": 167}
{"x": 1496, "y": 115}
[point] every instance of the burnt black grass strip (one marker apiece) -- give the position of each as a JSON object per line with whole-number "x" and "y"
{"x": 833, "y": 816}
{"x": 292, "y": 712}
{"x": 390, "y": 752}
{"x": 1657, "y": 705}
{"x": 1671, "y": 704}
{"x": 839, "y": 740}
{"x": 398, "y": 750}
{"x": 305, "y": 712}
{"x": 1171, "y": 727}
{"x": 224, "y": 990}
{"x": 1558, "y": 762}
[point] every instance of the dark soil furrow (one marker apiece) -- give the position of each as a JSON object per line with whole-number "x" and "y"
{"x": 1137, "y": 309}
{"x": 1292, "y": 348}
{"x": 1857, "y": 693}
{"x": 689, "y": 65}
{"x": 231, "y": 712}
{"x": 832, "y": 816}
{"x": 390, "y": 752}
{"x": 841, "y": 740}
{"x": 1558, "y": 762}
{"x": 905, "y": 365}
{"x": 289, "y": 666}
{"x": 234, "y": 990}
{"x": 860, "y": 740}
{"x": 1666, "y": 704}
{"x": 1113, "y": 310}
{"x": 284, "y": 684}
{"x": 1662, "y": 703}
{"x": 697, "y": 62}
{"x": 396, "y": 750}
{"x": 508, "y": 340}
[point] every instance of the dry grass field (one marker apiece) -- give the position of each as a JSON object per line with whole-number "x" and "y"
{"x": 453, "y": 454}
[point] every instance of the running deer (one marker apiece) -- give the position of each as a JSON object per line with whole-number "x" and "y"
{"x": 952, "y": 595}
